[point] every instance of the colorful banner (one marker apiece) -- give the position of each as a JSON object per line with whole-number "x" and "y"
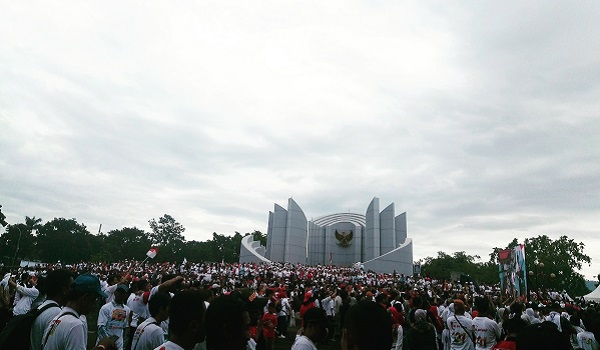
{"x": 513, "y": 272}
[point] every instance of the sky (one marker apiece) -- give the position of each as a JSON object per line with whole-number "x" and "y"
{"x": 480, "y": 120}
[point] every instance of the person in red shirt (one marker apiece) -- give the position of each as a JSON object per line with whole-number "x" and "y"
{"x": 307, "y": 303}
{"x": 269, "y": 322}
{"x": 512, "y": 327}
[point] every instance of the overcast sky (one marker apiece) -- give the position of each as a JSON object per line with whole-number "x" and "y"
{"x": 479, "y": 119}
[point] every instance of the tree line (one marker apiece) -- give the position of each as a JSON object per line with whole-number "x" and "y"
{"x": 69, "y": 241}
{"x": 550, "y": 263}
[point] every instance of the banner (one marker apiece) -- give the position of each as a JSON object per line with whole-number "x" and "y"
{"x": 513, "y": 272}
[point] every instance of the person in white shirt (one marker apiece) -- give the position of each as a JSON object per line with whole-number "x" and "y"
{"x": 486, "y": 331}
{"x": 283, "y": 314}
{"x": 367, "y": 326}
{"x": 58, "y": 283}
{"x": 314, "y": 330}
{"x": 461, "y": 328}
{"x": 139, "y": 308}
{"x": 68, "y": 330}
{"x": 586, "y": 339}
{"x": 114, "y": 316}
{"x": 25, "y": 294}
{"x": 149, "y": 334}
{"x": 186, "y": 321}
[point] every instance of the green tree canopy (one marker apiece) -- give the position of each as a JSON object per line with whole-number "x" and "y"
{"x": 126, "y": 243}
{"x": 167, "y": 234}
{"x": 65, "y": 240}
{"x": 562, "y": 258}
{"x": 165, "y": 231}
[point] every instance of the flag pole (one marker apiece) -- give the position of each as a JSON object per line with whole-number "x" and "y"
{"x": 143, "y": 261}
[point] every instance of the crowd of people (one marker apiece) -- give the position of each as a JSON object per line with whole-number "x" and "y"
{"x": 142, "y": 305}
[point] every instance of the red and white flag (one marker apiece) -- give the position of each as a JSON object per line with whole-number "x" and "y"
{"x": 152, "y": 253}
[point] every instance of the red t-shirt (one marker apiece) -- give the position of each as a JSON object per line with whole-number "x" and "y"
{"x": 505, "y": 345}
{"x": 269, "y": 328}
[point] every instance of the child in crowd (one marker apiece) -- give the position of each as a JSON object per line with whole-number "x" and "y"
{"x": 269, "y": 322}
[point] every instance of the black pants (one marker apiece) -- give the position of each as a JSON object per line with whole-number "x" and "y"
{"x": 282, "y": 325}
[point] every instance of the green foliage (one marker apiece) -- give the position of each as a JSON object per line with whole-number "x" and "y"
{"x": 65, "y": 240}
{"x": 165, "y": 231}
{"x": 16, "y": 242}
{"x": 167, "y": 234}
{"x": 126, "y": 243}
{"x": 561, "y": 258}
{"x": 460, "y": 262}
{"x": 68, "y": 241}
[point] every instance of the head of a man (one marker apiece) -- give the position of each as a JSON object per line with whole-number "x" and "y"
{"x": 84, "y": 292}
{"x": 315, "y": 324}
{"x": 58, "y": 283}
{"x": 186, "y": 318}
{"x": 367, "y": 326}
{"x": 459, "y": 307}
{"x": 159, "y": 306}
{"x": 121, "y": 294}
{"x": 227, "y": 324}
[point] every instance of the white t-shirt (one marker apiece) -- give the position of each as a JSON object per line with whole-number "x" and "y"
{"x": 303, "y": 343}
{"x": 27, "y": 296}
{"x": 110, "y": 292}
{"x": 113, "y": 319}
{"x": 67, "y": 332}
{"x": 41, "y": 323}
{"x": 169, "y": 346}
{"x": 138, "y": 308}
{"x": 285, "y": 307}
{"x": 587, "y": 341}
{"x": 486, "y": 332}
{"x": 164, "y": 324}
{"x": 461, "y": 337}
{"x": 148, "y": 335}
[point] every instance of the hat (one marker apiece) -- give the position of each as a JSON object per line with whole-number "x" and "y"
{"x": 420, "y": 315}
{"x": 458, "y": 301}
{"x": 307, "y": 296}
{"x": 122, "y": 287}
{"x": 88, "y": 283}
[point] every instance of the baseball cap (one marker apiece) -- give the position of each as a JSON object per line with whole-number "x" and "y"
{"x": 123, "y": 287}
{"x": 88, "y": 283}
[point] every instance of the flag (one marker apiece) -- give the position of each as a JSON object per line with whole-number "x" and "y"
{"x": 330, "y": 258}
{"x": 504, "y": 256}
{"x": 152, "y": 253}
{"x": 184, "y": 261}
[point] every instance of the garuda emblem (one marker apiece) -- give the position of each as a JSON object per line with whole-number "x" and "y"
{"x": 343, "y": 238}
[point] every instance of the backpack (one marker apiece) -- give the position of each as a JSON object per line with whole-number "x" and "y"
{"x": 15, "y": 334}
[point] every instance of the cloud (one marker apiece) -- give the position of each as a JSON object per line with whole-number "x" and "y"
{"x": 479, "y": 120}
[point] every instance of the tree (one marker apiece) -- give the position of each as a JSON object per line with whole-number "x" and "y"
{"x": 167, "y": 233}
{"x": 561, "y": 259}
{"x": 126, "y": 243}
{"x": 65, "y": 240}
{"x": 258, "y": 236}
{"x": 17, "y": 242}
{"x": 33, "y": 223}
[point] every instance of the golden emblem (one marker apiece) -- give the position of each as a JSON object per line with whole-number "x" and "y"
{"x": 343, "y": 238}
